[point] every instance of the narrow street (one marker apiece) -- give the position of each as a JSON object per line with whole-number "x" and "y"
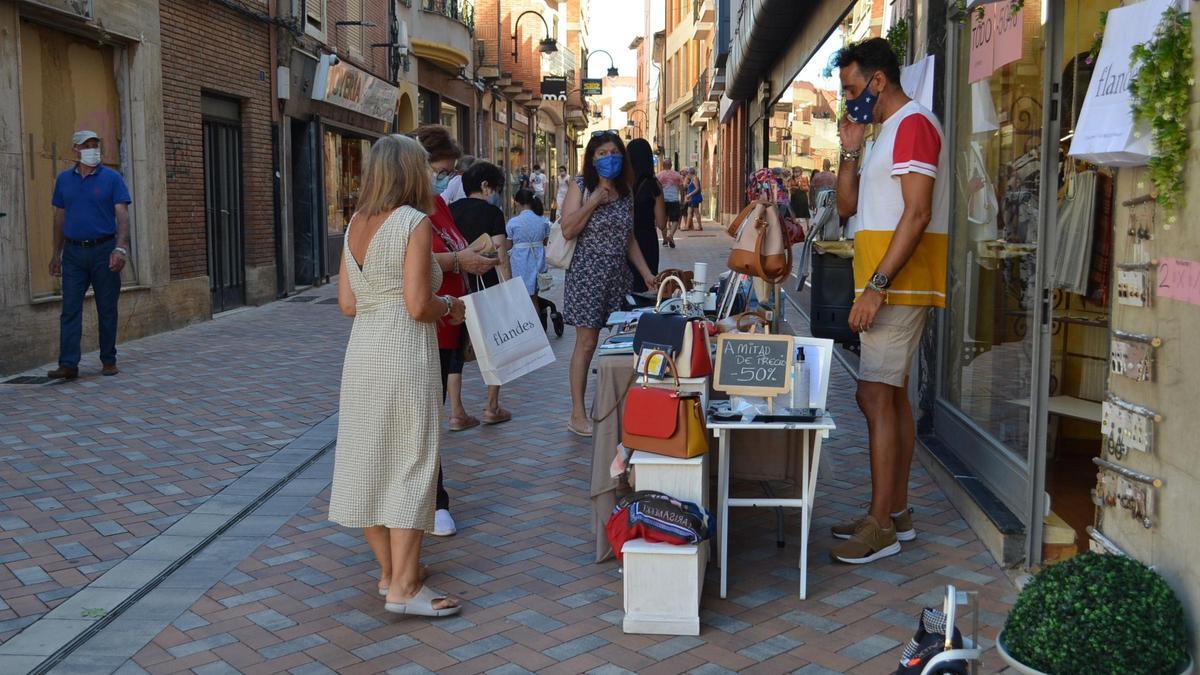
{"x": 172, "y": 519}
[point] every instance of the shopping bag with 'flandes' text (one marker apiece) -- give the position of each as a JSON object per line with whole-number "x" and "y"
{"x": 505, "y": 332}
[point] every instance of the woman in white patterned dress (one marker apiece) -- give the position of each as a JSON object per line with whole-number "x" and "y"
{"x": 386, "y": 465}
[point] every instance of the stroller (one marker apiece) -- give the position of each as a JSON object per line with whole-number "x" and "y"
{"x": 548, "y": 314}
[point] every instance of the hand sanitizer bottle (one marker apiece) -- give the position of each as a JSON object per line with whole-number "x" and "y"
{"x": 800, "y": 382}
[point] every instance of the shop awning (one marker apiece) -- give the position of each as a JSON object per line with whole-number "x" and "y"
{"x": 766, "y": 30}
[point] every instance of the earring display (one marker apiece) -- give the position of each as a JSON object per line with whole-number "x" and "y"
{"x": 1127, "y": 426}
{"x": 1133, "y": 285}
{"x": 1132, "y": 355}
{"x": 1133, "y": 491}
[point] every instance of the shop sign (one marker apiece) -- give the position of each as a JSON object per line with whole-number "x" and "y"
{"x": 520, "y": 118}
{"x": 1179, "y": 279}
{"x": 554, "y": 88}
{"x": 996, "y": 39}
{"x": 501, "y": 116}
{"x": 593, "y": 86}
{"x": 341, "y": 84}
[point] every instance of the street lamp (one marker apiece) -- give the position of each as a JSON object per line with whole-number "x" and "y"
{"x": 630, "y": 127}
{"x": 547, "y": 45}
{"x": 612, "y": 65}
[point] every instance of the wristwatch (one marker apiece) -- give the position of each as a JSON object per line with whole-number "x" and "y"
{"x": 851, "y": 155}
{"x": 122, "y": 250}
{"x": 879, "y": 283}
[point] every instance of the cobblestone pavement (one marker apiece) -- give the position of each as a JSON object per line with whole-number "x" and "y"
{"x": 92, "y": 469}
{"x": 284, "y": 590}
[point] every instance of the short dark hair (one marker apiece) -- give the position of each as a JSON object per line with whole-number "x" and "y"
{"x": 870, "y": 56}
{"x": 523, "y": 196}
{"x": 437, "y": 142}
{"x": 591, "y": 178}
{"x": 479, "y": 173}
{"x": 537, "y": 167}
{"x": 537, "y": 207}
{"x": 561, "y": 167}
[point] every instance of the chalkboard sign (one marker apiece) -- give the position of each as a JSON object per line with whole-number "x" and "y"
{"x": 753, "y": 364}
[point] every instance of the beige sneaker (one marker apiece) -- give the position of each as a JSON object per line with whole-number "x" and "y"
{"x": 902, "y": 522}
{"x": 869, "y": 543}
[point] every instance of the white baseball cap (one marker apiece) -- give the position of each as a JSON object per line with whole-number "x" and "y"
{"x": 83, "y": 136}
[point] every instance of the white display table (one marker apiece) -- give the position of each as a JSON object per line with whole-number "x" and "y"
{"x": 813, "y": 433}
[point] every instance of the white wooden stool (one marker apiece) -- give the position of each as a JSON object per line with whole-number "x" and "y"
{"x": 663, "y": 583}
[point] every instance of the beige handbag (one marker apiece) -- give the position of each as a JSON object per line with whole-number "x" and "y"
{"x": 761, "y": 248}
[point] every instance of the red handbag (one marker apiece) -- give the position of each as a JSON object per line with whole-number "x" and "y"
{"x": 662, "y": 421}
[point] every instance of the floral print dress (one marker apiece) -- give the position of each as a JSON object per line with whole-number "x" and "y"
{"x": 599, "y": 277}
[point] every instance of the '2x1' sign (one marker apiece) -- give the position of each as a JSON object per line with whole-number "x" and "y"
{"x": 753, "y": 364}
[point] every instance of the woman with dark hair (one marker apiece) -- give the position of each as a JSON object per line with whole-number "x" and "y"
{"x": 528, "y": 231}
{"x": 455, "y": 257}
{"x": 649, "y": 209}
{"x": 598, "y": 214}
{"x": 478, "y": 220}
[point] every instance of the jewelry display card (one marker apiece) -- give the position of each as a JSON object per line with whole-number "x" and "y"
{"x": 1134, "y": 289}
{"x": 1125, "y": 430}
{"x": 1137, "y": 498}
{"x": 1134, "y": 360}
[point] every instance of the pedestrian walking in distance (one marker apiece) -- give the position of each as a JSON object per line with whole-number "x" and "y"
{"x": 900, "y": 192}
{"x": 386, "y": 464}
{"x": 91, "y": 247}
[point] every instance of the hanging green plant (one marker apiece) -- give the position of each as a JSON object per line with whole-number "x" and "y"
{"x": 897, "y": 35}
{"x": 1160, "y": 93}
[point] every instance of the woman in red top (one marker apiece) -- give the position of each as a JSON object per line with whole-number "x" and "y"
{"x": 455, "y": 257}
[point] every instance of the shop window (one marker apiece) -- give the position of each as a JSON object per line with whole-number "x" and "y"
{"x": 992, "y": 282}
{"x": 67, "y": 83}
{"x": 344, "y": 162}
{"x": 429, "y": 107}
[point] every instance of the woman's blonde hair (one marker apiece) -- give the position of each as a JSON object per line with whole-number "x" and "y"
{"x": 396, "y": 174}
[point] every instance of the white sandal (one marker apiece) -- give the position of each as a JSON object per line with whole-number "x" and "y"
{"x": 421, "y": 604}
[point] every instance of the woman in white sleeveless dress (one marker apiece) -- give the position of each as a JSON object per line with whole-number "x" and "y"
{"x": 386, "y": 464}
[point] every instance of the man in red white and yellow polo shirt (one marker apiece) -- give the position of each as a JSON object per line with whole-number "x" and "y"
{"x": 901, "y": 198}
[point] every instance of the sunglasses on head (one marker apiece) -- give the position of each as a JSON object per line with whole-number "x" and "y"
{"x": 605, "y": 132}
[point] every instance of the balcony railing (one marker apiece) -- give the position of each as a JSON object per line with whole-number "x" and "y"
{"x": 700, "y": 90}
{"x": 462, "y": 11}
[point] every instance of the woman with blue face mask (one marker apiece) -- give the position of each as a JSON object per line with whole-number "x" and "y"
{"x": 598, "y": 214}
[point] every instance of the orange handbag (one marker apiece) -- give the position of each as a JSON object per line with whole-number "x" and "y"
{"x": 761, "y": 248}
{"x": 662, "y": 421}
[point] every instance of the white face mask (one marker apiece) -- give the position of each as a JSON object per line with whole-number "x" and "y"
{"x": 90, "y": 156}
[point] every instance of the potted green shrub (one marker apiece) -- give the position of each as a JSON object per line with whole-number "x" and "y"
{"x": 1097, "y": 615}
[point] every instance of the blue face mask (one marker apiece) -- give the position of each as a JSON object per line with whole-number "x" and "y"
{"x": 609, "y": 166}
{"x": 861, "y": 110}
{"x": 440, "y": 184}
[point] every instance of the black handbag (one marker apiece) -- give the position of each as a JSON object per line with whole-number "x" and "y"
{"x": 660, "y": 329}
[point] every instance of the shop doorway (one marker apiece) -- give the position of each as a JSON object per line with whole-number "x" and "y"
{"x": 1024, "y": 361}
{"x": 223, "y": 213}
{"x": 306, "y": 203}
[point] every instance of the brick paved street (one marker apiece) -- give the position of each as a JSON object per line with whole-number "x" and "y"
{"x": 97, "y": 468}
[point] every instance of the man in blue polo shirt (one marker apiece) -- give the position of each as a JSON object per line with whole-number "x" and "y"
{"x": 91, "y": 247}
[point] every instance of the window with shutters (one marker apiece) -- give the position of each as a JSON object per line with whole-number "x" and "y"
{"x": 315, "y": 17}
{"x": 354, "y": 36}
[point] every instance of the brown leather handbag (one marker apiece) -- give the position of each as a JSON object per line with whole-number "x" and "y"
{"x": 761, "y": 248}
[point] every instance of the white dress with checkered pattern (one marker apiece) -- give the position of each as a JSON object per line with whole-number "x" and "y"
{"x": 386, "y": 464}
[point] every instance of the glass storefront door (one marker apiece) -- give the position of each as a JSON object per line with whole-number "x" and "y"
{"x": 989, "y": 382}
{"x": 1024, "y": 337}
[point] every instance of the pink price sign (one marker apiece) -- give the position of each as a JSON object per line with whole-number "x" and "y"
{"x": 1179, "y": 280}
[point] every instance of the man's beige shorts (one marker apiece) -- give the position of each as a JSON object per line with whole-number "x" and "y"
{"x": 888, "y": 347}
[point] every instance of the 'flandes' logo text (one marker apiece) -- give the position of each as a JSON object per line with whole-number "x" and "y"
{"x": 500, "y": 337}
{"x": 1110, "y": 83}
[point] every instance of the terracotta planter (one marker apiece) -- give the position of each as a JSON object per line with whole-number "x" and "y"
{"x": 1026, "y": 670}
